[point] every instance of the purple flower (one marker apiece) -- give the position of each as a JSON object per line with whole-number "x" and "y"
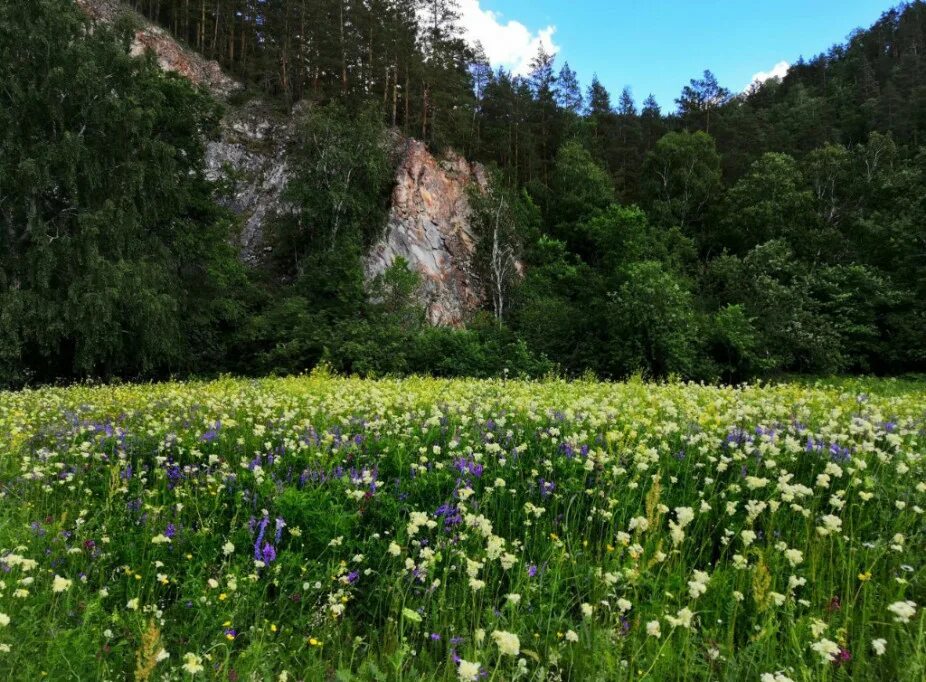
{"x": 171, "y": 530}
{"x": 268, "y": 554}
{"x": 546, "y": 488}
{"x": 262, "y": 528}
{"x": 532, "y": 570}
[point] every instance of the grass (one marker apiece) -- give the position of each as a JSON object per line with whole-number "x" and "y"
{"x": 320, "y": 528}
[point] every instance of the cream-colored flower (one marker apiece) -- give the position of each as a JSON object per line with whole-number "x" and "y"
{"x": 507, "y": 642}
{"x": 60, "y": 584}
{"x": 681, "y": 619}
{"x": 827, "y": 649}
{"x": 653, "y": 629}
{"x": 467, "y": 671}
{"x": 193, "y": 664}
{"x": 902, "y": 610}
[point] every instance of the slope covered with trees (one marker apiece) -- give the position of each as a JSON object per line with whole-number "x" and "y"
{"x": 722, "y": 236}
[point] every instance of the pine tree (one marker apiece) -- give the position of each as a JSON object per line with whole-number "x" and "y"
{"x": 568, "y": 91}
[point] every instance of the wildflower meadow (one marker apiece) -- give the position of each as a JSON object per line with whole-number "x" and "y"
{"x": 322, "y": 528}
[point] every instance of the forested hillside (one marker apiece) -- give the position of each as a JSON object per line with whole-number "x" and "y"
{"x": 720, "y": 236}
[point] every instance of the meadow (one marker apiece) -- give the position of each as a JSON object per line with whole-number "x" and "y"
{"x": 324, "y": 528}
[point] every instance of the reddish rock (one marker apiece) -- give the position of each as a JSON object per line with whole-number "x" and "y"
{"x": 171, "y": 55}
{"x": 429, "y": 227}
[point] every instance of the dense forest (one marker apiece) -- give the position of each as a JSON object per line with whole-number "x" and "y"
{"x": 722, "y": 236}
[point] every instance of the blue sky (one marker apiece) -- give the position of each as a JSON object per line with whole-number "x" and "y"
{"x": 657, "y": 46}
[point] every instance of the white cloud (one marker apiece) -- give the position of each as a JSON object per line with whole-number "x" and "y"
{"x": 778, "y": 71}
{"x": 507, "y": 43}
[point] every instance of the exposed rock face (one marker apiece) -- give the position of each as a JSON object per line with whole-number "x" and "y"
{"x": 249, "y": 163}
{"x": 171, "y": 55}
{"x": 429, "y": 227}
{"x": 429, "y": 220}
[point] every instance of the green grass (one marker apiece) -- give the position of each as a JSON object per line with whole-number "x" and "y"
{"x": 429, "y": 522}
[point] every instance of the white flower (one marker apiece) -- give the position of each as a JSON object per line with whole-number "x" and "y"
{"x": 571, "y": 636}
{"x": 394, "y": 549}
{"x": 903, "y": 610}
{"x": 468, "y": 671}
{"x": 639, "y": 523}
{"x": 817, "y": 627}
{"x": 827, "y": 649}
{"x": 507, "y": 642}
{"x": 685, "y": 516}
{"x": 587, "y": 610}
{"x": 682, "y": 619}
{"x": 513, "y": 598}
{"x": 749, "y": 536}
{"x": 132, "y": 604}
{"x": 160, "y": 539}
{"x": 624, "y": 605}
{"x": 775, "y": 677}
{"x": 794, "y": 556}
{"x": 475, "y": 584}
{"x": 831, "y": 524}
{"x": 879, "y": 646}
{"x": 653, "y": 629}
{"x": 60, "y": 584}
{"x": 162, "y": 655}
{"x": 698, "y": 585}
{"x": 228, "y": 549}
{"x": 192, "y": 663}
{"x": 4, "y": 620}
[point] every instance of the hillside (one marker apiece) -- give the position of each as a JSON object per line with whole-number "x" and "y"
{"x": 283, "y": 184}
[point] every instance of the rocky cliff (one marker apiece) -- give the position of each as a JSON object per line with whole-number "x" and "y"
{"x": 249, "y": 164}
{"x": 428, "y": 222}
{"x": 429, "y": 227}
{"x": 171, "y": 55}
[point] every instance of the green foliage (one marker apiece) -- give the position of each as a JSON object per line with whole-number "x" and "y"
{"x": 114, "y": 260}
{"x": 581, "y": 190}
{"x": 777, "y": 231}
{"x": 770, "y": 201}
{"x": 652, "y": 322}
{"x": 682, "y": 179}
{"x": 339, "y": 188}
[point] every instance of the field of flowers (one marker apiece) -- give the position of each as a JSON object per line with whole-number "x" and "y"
{"x": 320, "y": 528}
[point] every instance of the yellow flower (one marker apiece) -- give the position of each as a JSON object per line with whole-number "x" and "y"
{"x": 865, "y": 577}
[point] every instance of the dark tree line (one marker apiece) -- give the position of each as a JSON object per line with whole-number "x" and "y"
{"x": 733, "y": 236}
